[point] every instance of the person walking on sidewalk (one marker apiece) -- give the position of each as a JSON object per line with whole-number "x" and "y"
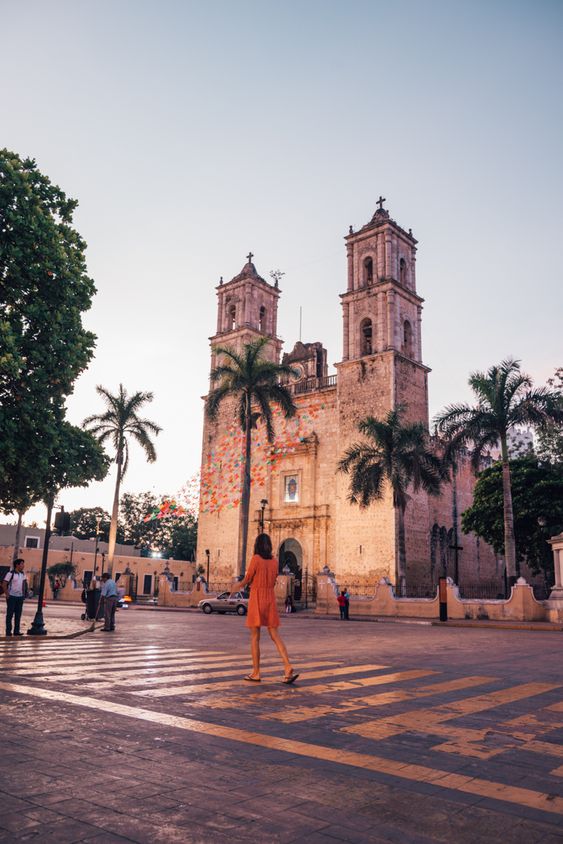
{"x": 109, "y": 597}
{"x": 15, "y": 589}
{"x": 262, "y": 610}
{"x": 341, "y": 601}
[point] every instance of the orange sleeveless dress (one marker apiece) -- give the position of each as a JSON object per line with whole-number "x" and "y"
{"x": 262, "y": 609}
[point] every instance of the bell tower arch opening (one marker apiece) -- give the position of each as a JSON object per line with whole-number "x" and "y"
{"x": 366, "y": 337}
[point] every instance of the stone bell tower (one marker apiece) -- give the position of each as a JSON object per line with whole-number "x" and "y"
{"x": 247, "y": 308}
{"x": 381, "y": 368}
{"x": 382, "y": 316}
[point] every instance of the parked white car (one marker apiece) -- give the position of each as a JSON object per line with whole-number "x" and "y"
{"x": 222, "y": 603}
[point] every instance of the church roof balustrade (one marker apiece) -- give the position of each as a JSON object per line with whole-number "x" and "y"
{"x": 310, "y": 385}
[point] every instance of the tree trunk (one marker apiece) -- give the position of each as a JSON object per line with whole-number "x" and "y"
{"x": 245, "y": 498}
{"x": 402, "y": 555}
{"x": 16, "y": 551}
{"x": 509, "y": 538}
{"x": 114, "y": 513}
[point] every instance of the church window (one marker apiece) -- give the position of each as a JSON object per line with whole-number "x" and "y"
{"x": 407, "y": 339}
{"x": 368, "y": 272}
{"x": 232, "y": 318}
{"x": 366, "y": 345}
{"x": 262, "y": 321}
{"x": 403, "y": 272}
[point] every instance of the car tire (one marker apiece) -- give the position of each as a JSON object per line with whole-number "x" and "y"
{"x": 241, "y": 610}
{"x": 207, "y": 609}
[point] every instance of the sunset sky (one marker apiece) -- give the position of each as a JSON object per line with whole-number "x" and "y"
{"x": 194, "y": 132}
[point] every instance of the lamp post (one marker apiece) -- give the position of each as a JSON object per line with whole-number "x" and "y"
{"x": 263, "y": 504}
{"x": 98, "y": 520}
{"x": 208, "y": 555}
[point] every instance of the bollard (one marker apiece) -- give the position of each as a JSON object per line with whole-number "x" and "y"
{"x": 443, "y": 597}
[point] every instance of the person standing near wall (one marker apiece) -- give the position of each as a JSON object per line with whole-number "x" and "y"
{"x": 15, "y": 588}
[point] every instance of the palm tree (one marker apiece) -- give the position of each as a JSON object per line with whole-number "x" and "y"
{"x": 396, "y": 455}
{"x": 255, "y": 383}
{"x": 119, "y": 422}
{"x": 505, "y": 399}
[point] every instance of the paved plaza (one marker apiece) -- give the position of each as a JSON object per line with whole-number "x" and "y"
{"x": 393, "y": 733}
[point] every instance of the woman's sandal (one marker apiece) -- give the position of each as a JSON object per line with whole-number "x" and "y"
{"x": 290, "y": 678}
{"x": 250, "y": 679}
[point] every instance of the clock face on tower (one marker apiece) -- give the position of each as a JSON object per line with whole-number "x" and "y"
{"x": 299, "y": 372}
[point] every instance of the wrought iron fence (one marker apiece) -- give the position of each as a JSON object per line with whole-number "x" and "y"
{"x": 482, "y": 591}
{"x": 413, "y": 591}
{"x": 541, "y": 591}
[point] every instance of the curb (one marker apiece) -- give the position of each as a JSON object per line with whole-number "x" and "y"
{"x": 502, "y": 625}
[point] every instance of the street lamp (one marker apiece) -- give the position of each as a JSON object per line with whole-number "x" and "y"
{"x": 263, "y": 504}
{"x": 207, "y": 554}
{"x": 98, "y": 520}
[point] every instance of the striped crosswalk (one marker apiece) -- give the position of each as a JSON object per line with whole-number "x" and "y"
{"x": 127, "y": 678}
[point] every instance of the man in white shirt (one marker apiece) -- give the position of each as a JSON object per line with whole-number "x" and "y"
{"x": 15, "y": 589}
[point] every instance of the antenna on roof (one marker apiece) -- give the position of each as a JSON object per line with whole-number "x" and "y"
{"x": 300, "y": 321}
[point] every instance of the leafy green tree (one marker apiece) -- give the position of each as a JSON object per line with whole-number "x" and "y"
{"x": 75, "y": 459}
{"x": 83, "y": 523}
{"x": 119, "y": 423}
{"x": 182, "y": 541}
{"x": 43, "y": 344}
{"x": 549, "y": 446}
{"x": 253, "y": 382}
{"x": 537, "y": 501}
{"x": 133, "y": 509}
{"x": 61, "y": 570}
{"x": 173, "y": 536}
{"x": 505, "y": 400}
{"x": 398, "y": 456}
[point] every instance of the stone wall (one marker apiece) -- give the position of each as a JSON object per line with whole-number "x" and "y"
{"x": 520, "y": 606}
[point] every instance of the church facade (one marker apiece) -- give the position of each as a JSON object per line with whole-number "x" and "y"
{"x": 297, "y": 494}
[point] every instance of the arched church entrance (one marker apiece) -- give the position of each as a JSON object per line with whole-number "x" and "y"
{"x": 291, "y": 555}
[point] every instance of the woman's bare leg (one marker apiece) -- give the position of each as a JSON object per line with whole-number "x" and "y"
{"x": 255, "y": 651}
{"x": 282, "y": 650}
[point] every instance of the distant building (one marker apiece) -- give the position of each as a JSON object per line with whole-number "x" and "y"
{"x": 35, "y": 538}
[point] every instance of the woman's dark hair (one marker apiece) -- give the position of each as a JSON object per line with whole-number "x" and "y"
{"x": 263, "y": 546}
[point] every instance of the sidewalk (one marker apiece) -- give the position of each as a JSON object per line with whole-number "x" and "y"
{"x": 57, "y": 628}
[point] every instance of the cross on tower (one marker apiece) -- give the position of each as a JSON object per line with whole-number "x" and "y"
{"x": 380, "y": 202}
{"x": 250, "y": 256}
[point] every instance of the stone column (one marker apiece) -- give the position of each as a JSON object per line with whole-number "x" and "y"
{"x": 388, "y": 255}
{"x": 380, "y": 255}
{"x": 556, "y": 596}
{"x": 390, "y": 319}
{"x": 350, "y": 254}
{"x": 220, "y": 315}
{"x": 379, "y": 339}
{"x": 346, "y": 331}
{"x": 419, "y": 333}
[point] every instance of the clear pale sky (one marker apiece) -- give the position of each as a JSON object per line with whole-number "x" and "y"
{"x": 194, "y": 132}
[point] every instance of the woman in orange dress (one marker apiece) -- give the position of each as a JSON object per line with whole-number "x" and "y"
{"x": 262, "y": 610}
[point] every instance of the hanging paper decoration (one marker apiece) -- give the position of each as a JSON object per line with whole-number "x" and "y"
{"x": 167, "y": 509}
{"x": 220, "y": 485}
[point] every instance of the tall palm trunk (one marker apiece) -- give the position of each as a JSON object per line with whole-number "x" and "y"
{"x": 245, "y": 498}
{"x": 402, "y": 555}
{"x": 16, "y": 551}
{"x": 509, "y": 539}
{"x": 115, "y": 512}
